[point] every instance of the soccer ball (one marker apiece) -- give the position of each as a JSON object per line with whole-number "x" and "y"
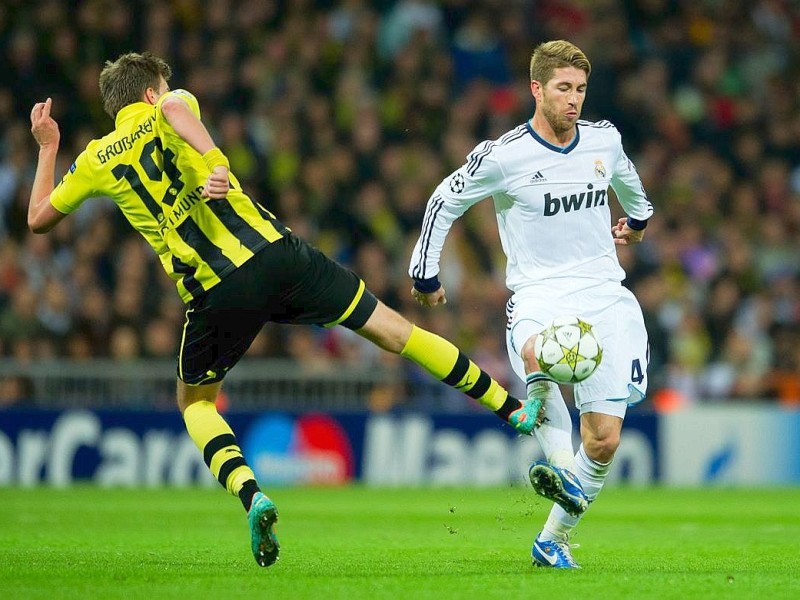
{"x": 568, "y": 350}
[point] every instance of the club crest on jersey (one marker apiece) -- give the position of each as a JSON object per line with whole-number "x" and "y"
{"x": 457, "y": 183}
{"x": 599, "y": 169}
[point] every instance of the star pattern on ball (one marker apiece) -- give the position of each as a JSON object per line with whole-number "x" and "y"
{"x": 568, "y": 350}
{"x": 584, "y": 327}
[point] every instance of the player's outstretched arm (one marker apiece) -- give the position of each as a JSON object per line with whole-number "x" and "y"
{"x": 480, "y": 177}
{"x": 42, "y": 215}
{"x": 191, "y": 129}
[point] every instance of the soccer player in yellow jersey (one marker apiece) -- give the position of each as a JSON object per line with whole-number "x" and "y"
{"x": 235, "y": 265}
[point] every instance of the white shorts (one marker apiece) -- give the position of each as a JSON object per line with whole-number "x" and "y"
{"x": 621, "y": 379}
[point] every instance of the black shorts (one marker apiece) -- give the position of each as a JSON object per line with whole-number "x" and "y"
{"x": 288, "y": 281}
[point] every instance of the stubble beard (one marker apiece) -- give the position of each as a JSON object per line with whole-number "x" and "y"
{"x": 559, "y": 123}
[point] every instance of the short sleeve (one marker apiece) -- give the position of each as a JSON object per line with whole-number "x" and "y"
{"x": 184, "y": 95}
{"x": 76, "y": 186}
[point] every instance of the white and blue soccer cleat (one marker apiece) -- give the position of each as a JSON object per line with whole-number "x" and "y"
{"x": 550, "y": 553}
{"x": 560, "y": 486}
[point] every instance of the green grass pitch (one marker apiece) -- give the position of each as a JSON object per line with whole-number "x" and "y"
{"x": 357, "y": 542}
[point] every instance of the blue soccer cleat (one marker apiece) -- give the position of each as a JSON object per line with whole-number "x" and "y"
{"x": 262, "y": 518}
{"x": 550, "y": 553}
{"x": 526, "y": 417}
{"x": 560, "y": 486}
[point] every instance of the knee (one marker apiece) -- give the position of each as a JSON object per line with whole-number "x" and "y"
{"x": 387, "y": 329}
{"x": 528, "y": 355}
{"x": 187, "y": 395}
{"x": 601, "y": 446}
{"x": 184, "y": 402}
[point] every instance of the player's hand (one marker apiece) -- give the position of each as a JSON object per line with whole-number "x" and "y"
{"x": 217, "y": 184}
{"x": 624, "y": 235}
{"x": 430, "y": 299}
{"x": 43, "y": 126}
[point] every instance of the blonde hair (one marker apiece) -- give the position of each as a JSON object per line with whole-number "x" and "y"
{"x": 125, "y": 80}
{"x": 549, "y": 56}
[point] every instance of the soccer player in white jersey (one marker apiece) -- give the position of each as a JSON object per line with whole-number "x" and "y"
{"x": 549, "y": 179}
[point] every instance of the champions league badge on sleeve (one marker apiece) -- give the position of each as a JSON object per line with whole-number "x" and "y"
{"x": 457, "y": 183}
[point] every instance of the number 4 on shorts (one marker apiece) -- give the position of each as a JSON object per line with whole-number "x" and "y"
{"x": 637, "y": 375}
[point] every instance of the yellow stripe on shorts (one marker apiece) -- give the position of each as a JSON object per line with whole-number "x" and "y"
{"x": 352, "y": 307}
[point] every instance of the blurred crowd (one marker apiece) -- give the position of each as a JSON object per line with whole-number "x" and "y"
{"x": 342, "y": 116}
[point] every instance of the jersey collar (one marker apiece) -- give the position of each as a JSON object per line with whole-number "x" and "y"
{"x": 130, "y": 111}
{"x": 549, "y": 146}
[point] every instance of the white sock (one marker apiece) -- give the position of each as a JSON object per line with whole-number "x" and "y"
{"x": 592, "y": 476}
{"x": 555, "y": 434}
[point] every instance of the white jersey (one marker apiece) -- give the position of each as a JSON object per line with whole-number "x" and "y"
{"x": 552, "y": 206}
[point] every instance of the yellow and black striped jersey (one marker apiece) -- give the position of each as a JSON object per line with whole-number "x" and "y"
{"x": 157, "y": 179}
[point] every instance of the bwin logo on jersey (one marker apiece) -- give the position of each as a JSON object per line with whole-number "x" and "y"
{"x": 457, "y": 183}
{"x": 588, "y": 199}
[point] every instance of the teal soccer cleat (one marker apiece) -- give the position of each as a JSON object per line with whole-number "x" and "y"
{"x": 262, "y": 518}
{"x": 526, "y": 417}
{"x": 550, "y": 553}
{"x": 560, "y": 486}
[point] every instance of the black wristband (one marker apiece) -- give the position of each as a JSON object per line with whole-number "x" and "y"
{"x": 636, "y": 224}
{"x": 426, "y": 286}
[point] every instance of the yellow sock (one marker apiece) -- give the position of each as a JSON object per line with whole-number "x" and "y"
{"x": 215, "y": 439}
{"x": 448, "y": 364}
